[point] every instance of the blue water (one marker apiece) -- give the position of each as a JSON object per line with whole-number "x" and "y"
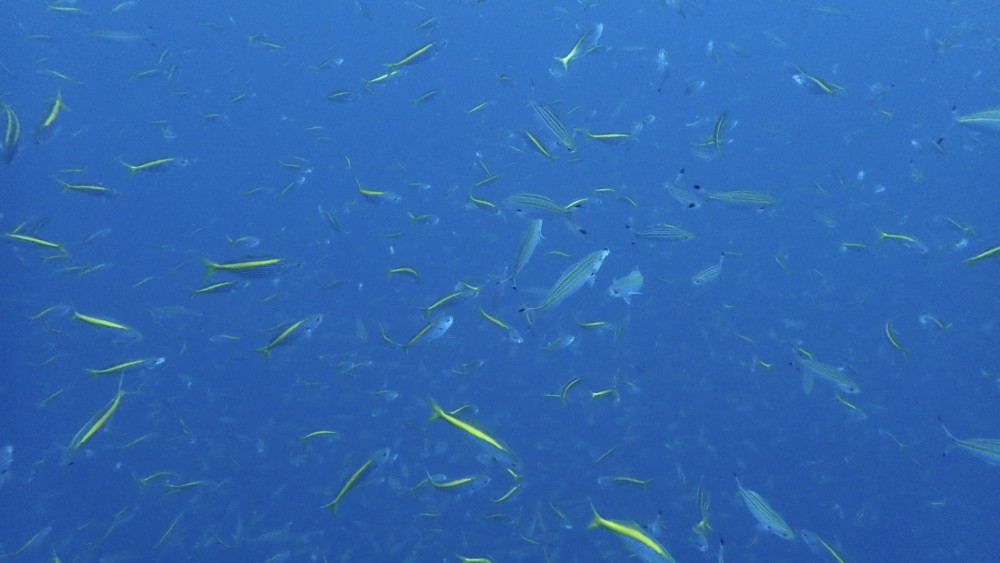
{"x": 684, "y": 387}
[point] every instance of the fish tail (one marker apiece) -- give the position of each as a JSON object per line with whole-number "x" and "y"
{"x": 264, "y": 350}
{"x": 436, "y": 411}
{"x": 595, "y": 520}
{"x": 210, "y": 267}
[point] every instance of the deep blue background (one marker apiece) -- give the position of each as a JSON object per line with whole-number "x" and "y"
{"x": 693, "y": 403}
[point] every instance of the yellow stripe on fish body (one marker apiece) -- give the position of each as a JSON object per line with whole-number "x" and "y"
{"x": 759, "y": 200}
{"x": 370, "y": 466}
{"x": 303, "y": 326}
{"x": 995, "y": 251}
{"x": 251, "y": 266}
{"x": 431, "y": 331}
{"x": 555, "y": 125}
{"x": 438, "y": 412}
{"x": 813, "y": 367}
{"x": 988, "y": 449}
{"x": 639, "y": 542}
{"x": 99, "y": 322}
{"x": 573, "y": 279}
{"x": 529, "y": 242}
{"x": 986, "y": 120}
{"x": 88, "y": 430}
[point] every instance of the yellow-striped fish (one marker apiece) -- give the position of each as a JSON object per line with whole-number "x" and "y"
{"x": 583, "y": 272}
{"x": 767, "y": 518}
{"x": 987, "y": 449}
{"x": 638, "y": 541}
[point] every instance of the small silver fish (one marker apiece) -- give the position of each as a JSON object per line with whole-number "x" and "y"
{"x": 627, "y": 286}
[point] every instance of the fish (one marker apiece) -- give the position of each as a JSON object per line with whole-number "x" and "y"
{"x": 423, "y": 53}
{"x": 742, "y": 198}
{"x": 995, "y": 251}
{"x": 218, "y": 287}
{"x": 538, "y": 146}
{"x": 662, "y": 231}
{"x": 96, "y": 422}
{"x": 536, "y": 205}
{"x": 571, "y": 280}
{"x": 811, "y": 367}
{"x": 494, "y": 449}
{"x": 626, "y": 286}
{"x": 559, "y": 343}
{"x": 700, "y": 529}
{"x": 361, "y": 474}
{"x": 987, "y": 449}
{"x": 709, "y": 274}
{"x": 461, "y": 295}
{"x": 461, "y": 485}
{"x": 11, "y": 135}
{"x": 909, "y": 242}
{"x": 638, "y": 541}
{"x": 431, "y": 331}
{"x": 99, "y": 322}
{"x": 767, "y": 518}
{"x": 141, "y": 363}
{"x": 89, "y": 189}
{"x": 301, "y": 328}
{"x": 687, "y": 198}
{"x": 254, "y": 267}
{"x": 528, "y": 205}
{"x": 157, "y": 165}
{"x": 554, "y": 124}
{"x": 30, "y": 239}
{"x": 529, "y": 241}
{"x": 584, "y": 45}
{"x": 817, "y": 545}
{"x": 987, "y": 121}
{"x": 815, "y": 84}
{"x": 890, "y": 335}
{"x": 46, "y": 128}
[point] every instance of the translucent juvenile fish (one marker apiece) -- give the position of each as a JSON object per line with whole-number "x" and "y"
{"x": 687, "y": 198}
{"x": 767, "y": 518}
{"x": 560, "y": 343}
{"x": 709, "y": 274}
{"x": 627, "y": 286}
{"x": 573, "y": 279}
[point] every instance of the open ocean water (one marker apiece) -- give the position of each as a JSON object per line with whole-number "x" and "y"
{"x": 248, "y": 245}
